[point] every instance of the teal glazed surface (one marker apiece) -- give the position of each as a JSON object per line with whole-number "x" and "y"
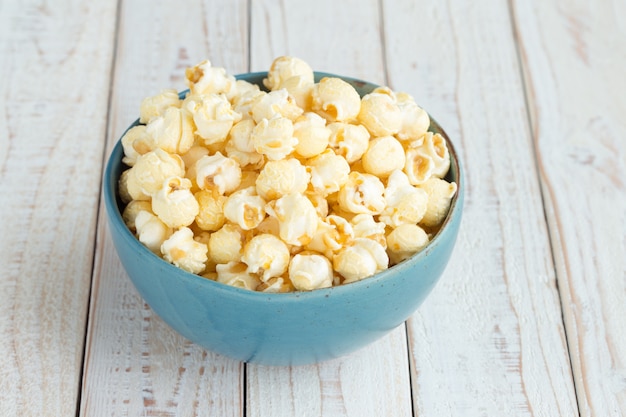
{"x": 282, "y": 329}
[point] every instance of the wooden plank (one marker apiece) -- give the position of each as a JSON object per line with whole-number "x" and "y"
{"x": 341, "y": 38}
{"x": 573, "y": 57}
{"x": 54, "y": 75}
{"x": 490, "y": 339}
{"x": 135, "y": 364}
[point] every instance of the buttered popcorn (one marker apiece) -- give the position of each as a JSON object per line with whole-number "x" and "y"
{"x": 298, "y": 186}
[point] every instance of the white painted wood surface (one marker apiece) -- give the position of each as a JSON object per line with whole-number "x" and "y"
{"x": 528, "y": 318}
{"x": 571, "y": 52}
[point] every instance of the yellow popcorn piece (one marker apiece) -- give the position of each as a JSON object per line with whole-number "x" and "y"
{"x": 135, "y": 142}
{"x": 235, "y": 274}
{"x": 184, "y": 252}
{"x": 363, "y": 258}
{"x": 285, "y": 67}
{"x": 404, "y": 241}
{"x": 405, "y": 204}
{"x": 364, "y": 225}
{"x": 310, "y": 271}
{"x": 282, "y": 177}
{"x": 245, "y": 208}
{"x": 225, "y": 245}
{"x": 415, "y": 120}
{"x": 154, "y": 106}
{"x": 239, "y": 146}
{"x": 418, "y": 166}
{"x": 348, "y": 140}
{"x": 129, "y": 189}
{"x": 174, "y": 203}
{"x": 301, "y": 89}
{"x": 218, "y": 172}
{"x": 319, "y": 202}
{"x": 435, "y": 147}
{"x": 312, "y": 134}
{"x": 152, "y": 169}
{"x": 213, "y": 116}
{"x": 276, "y": 285}
{"x": 172, "y": 132}
{"x": 206, "y": 79}
{"x": 243, "y": 103}
{"x": 440, "y": 193}
{"x": 329, "y": 172}
{"x": 335, "y": 100}
{"x": 267, "y": 256}
{"x": 274, "y": 138}
{"x": 383, "y": 156}
{"x": 380, "y": 114}
{"x": 211, "y": 210}
{"x": 277, "y": 103}
{"x": 332, "y": 233}
{"x": 363, "y": 193}
{"x": 241, "y": 88}
{"x": 151, "y": 231}
{"x": 131, "y": 211}
{"x": 297, "y": 218}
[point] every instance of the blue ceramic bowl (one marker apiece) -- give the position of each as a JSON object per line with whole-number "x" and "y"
{"x": 282, "y": 329}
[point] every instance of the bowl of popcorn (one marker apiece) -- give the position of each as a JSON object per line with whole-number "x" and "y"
{"x": 283, "y": 217}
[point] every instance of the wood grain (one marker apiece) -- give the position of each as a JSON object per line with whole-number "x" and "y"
{"x": 55, "y": 69}
{"x": 135, "y": 364}
{"x": 490, "y": 339}
{"x": 570, "y": 52}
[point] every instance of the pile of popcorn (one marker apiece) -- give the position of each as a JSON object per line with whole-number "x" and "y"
{"x": 304, "y": 186}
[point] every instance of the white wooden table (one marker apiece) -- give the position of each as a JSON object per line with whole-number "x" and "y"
{"x": 530, "y": 316}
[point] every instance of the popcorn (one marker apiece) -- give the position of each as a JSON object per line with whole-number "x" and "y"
{"x": 131, "y": 211}
{"x": 172, "y": 132}
{"x": 364, "y": 225}
{"x": 218, "y": 172}
{"x": 405, "y": 204}
{"x": 277, "y": 103}
{"x": 135, "y": 142}
{"x": 404, "y": 241}
{"x": 297, "y": 218}
{"x": 335, "y": 100}
{"x": 210, "y": 210}
{"x": 383, "y": 156}
{"x": 226, "y": 244}
{"x": 440, "y": 193}
{"x": 212, "y": 115}
{"x": 205, "y": 79}
{"x": 435, "y": 147}
{"x": 348, "y": 140}
{"x": 155, "y": 106}
{"x": 274, "y": 138}
{"x": 312, "y": 134}
{"x": 267, "y": 256}
{"x": 239, "y": 146}
{"x": 363, "y": 258}
{"x": 418, "y": 166}
{"x": 282, "y": 177}
{"x": 286, "y": 67}
{"x": 174, "y": 203}
{"x": 303, "y": 187}
{"x": 299, "y": 87}
{"x": 380, "y": 114}
{"x": 245, "y": 208}
{"x": 184, "y": 252}
{"x": 235, "y": 274}
{"x": 363, "y": 193}
{"x": 152, "y": 169}
{"x": 151, "y": 231}
{"x": 310, "y": 271}
{"x": 329, "y": 172}
{"x": 415, "y": 121}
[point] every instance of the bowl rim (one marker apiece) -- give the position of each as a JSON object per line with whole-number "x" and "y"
{"x": 111, "y": 198}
